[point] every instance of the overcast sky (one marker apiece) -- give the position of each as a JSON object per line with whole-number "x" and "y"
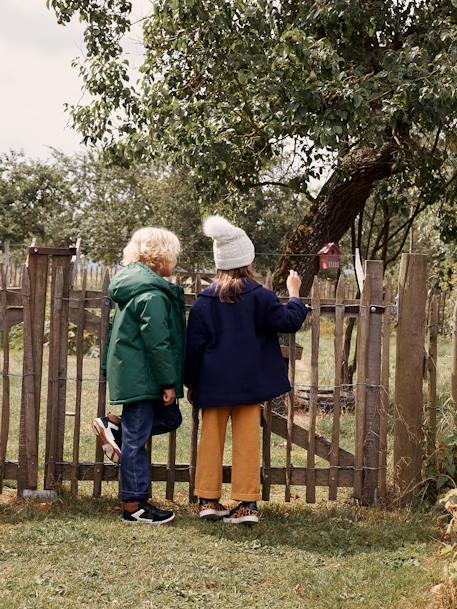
{"x": 36, "y": 77}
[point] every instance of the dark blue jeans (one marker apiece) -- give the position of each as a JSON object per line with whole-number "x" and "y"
{"x": 140, "y": 421}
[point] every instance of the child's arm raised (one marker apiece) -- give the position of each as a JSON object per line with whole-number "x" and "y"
{"x": 290, "y": 317}
{"x": 153, "y": 311}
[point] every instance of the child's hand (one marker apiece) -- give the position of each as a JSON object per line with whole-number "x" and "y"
{"x": 190, "y": 398}
{"x": 293, "y": 284}
{"x": 169, "y": 397}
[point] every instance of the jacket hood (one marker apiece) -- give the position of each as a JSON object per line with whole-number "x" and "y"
{"x": 212, "y": 292}
{"x": 135, "y": 279}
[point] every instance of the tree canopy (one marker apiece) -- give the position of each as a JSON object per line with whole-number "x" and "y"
{"x": 244, "y": 94}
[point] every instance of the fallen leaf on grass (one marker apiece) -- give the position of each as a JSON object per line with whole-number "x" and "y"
{"x": 299, "y": 590}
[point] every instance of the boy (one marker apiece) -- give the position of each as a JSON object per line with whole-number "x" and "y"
{"x": 144, "y": 365}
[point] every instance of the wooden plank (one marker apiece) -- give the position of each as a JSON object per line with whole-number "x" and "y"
{"x": 290, "y": 403}
{"x": 339, "y": 349}
{"x": 28, "y": 447}
{"x": 51, "y": 251}
{"x": 313, "y": 397}
{"x": 409, "y": 399}
{"x": 385, "y": 384}
{"x": 193, "y": 453}
{"x": 91, "y": 321}
{"x": 432, "y": 379}
{"x": 93, "y": 299}
{"x": 454, "y": 361}
{"x": 12, "y": 317}
{"x": 63, "y": 262}
{"x": 79, "y": 383}
{"x": 104, "y": 328}
{"x": 38, "y": 269}
{"x": 5, "y": 419}
{"x": 171, "y": 470}
{"x": 370, "y": 492}
{"x": 300, "y": 437}
{"x": 359, "y": 272}
{"x": 86, "y": 472}
{"x": 57, "y": 288}
{"x": 361, "y": 389}
{"x": 266, "y": 451}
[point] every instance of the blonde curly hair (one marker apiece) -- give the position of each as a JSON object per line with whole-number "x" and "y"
{"x": 155, "y": 247}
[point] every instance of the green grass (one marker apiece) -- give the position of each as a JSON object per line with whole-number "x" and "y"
{"x": 77, "y": 554}
{"x": 322, "y": 557}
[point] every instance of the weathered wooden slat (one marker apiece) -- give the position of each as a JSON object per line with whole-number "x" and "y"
{"x": 361, "y": 390}
{"x": 408, "y": 421}
{"x": 266, "y": 451}
{"x": 14, "y": 297}
{"x": 193, "y": 453}
{"x": 63, "y": 262}
{"x": 384, "y": 398}
{"x": 432, "y": 378}
{"x": 5, "y": 419}
{"x": 171, "y": 471}
{"x": 52, "y": 251}
{"x": 86, "y": 472}
{"x": 79, "y": 383}
{"x": 290, "y": 403}
{"x": 313, "y": 405}
{"x": 300, "y": 437}
{"x": 339, "y": 348}
{"x": 104, "y": 329}
{"x": 454, "y": 361}
{"x": 38, "y": 273}
{"x": 370, "y": 491}
{"x": 12, "y": 317}
{"x": 93, "y": 299}
{"x": 28, "y": 446}
{"x": 52, "y": 420}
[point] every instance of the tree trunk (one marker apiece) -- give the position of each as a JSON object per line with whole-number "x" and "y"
{"x": 334, "y": 211}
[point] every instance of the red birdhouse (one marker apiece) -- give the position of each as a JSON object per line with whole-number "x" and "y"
{"x": 329, "y": 256}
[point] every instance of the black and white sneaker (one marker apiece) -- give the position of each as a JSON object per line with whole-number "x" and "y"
{"x": 109, "y": 434}
{"x": 148, "y": 514}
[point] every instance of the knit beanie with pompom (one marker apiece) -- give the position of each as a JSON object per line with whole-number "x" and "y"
{"x": 232, "y": 248}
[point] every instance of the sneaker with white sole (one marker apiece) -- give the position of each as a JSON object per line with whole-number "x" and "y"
{"x": 244, "y": 513}
{"x": 212, "y": 509}
{"x": 148, "y": 514}
{"x": 109, "y": 434}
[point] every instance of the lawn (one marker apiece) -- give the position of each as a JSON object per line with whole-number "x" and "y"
{"x": 76, "y": 553}
{"x": 326, "y": 556}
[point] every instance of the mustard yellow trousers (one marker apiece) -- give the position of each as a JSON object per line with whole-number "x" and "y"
{"x": 245, "y": 452}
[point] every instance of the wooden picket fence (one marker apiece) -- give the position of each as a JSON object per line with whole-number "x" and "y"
{"x": 52, "y": 287}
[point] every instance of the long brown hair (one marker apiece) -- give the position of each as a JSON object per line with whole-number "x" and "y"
{"x": 229, "y": 284}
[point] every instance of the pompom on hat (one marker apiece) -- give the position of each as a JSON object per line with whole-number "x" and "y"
{"x": 232, "y": 248}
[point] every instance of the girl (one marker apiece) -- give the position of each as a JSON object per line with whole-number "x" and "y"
{"x": 144, "y": 365}
{"x": 233, "y": 363}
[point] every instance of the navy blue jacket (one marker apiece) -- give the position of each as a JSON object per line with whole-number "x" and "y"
{"x": 233, "y": 356}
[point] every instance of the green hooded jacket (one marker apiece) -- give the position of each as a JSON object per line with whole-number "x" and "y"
{"x": 145, "y": 354}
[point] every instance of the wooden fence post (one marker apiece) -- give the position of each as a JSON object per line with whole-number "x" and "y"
{"x": 385, "y": 394}
{"x": 313, "y": 393}
{"x": 339, "y": 346}
{"x": 5, "y": 419}
{"x": 27, "y": 477}
{"x": 38, "y": 271}
{"x": 454, "y": 363}
{"x": 105, "y": 310}
{"x": 408, "y": 435}
{"x": 431, "y": 366}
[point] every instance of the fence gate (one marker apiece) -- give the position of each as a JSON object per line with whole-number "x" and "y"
{"x": 54, "y": 293}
